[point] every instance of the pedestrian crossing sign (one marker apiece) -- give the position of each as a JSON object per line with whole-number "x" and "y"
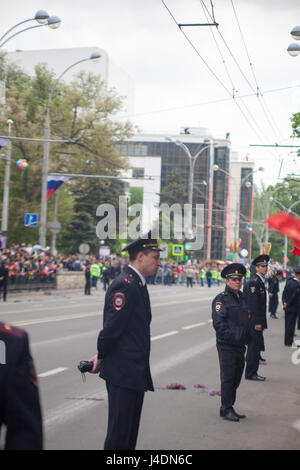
{"x": 177, "y": 250}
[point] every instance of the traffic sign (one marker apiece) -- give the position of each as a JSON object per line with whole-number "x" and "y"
{"x": 84, "y": 248}
{"x": 31, "y": 220}
{"x": 177, "y": 250}
{"x": 165, "y": 251}
{"x": 55, "y": 227}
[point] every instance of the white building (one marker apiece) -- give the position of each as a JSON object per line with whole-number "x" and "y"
{"x": 147, "y": 171}
{"x": 58, "y": 60}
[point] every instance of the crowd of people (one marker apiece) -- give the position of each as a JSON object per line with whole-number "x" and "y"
{"x": 32, "y": 263}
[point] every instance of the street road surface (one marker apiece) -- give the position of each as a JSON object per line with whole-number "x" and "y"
{"x": 63, "y": 329}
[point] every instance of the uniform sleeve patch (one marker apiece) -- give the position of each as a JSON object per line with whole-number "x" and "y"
{"x": 218, "y": 306}
{"x": 252, "y": 289}
{"x": 118, "y": 301}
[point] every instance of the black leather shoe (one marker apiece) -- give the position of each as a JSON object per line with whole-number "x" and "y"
{"x": 238, "y": 415}
{"x": 259, "y": 378}
{"x": 230, "y": 416}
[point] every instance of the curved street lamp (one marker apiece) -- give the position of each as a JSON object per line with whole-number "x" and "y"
{"x": 294, "y": 48}
{"x": 238, "y": 190}
{"x": 42, "y": 232}
{"x": 41, "y": 17}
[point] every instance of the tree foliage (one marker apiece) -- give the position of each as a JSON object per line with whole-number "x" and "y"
{"x": 82, "y": 113}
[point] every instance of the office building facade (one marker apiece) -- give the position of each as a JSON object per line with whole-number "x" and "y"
{"x": 209, "y": 189}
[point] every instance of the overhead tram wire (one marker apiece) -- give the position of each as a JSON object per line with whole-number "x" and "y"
{"x": 270, "y": 118}
{"x": 256, "y": 93}
{"x": 163, "y": 110}
{"x": 210, "y": 69}
{"x": 234, "y": 88}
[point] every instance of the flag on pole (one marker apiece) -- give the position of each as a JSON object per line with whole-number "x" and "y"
{"x": 288, "y": 225}
{"x": 54, "y": 182}
{"x": 3, "y": 142}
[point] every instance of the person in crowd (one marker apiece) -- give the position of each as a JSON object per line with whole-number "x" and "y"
{"x": 257, "y": 302}
{"x": 291, "y": 306}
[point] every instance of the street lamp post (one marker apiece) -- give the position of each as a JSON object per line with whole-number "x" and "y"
{"x": 285, "y": 186}
{"x": 4, "y": 221}
{"x": 192, "y": 161}
{"x": 294, "y": 48}
{"x": 238, "y": 189}
{"x": 47, "y": 132}
{"x": 41, "y": 17}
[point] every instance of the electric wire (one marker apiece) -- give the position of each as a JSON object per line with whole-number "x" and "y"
{"x": 215, "y": 75}
{"x": 257, "y": 93}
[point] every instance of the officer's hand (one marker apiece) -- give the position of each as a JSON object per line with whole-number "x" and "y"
{"x": 284, "y": 304}
{"x": 270, "y": 294}
{"x": 258, "y": 327}
{"x": 97, "y": 364}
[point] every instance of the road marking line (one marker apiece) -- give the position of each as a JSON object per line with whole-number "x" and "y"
{"x": 54, "y": 319}
{"x": 52, "y": 372}
{"x": 74, "y": 316}
{"x": 296, "y": 425}
{"x": 164, "y": 335}
{"x": 189, "y": 327}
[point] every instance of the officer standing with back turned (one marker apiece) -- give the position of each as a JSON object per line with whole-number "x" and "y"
{"x": 20, "y": 410}
{"x": 231, "y": 322}
{"x": 124, "y": 344}
{"x": 257, "y": 304}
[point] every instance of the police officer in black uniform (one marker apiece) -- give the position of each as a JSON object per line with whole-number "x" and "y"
{"x": 231, "y": 322}
{"x": 20, "y": 408}
{"x": 3, "y": 279}
{"x": 124, "y": 344}
{"x": 87, "y": 274}
{"x": 273, "y": 289}
{"x": 257, "y": 302}
{"x": 291, "y": 306}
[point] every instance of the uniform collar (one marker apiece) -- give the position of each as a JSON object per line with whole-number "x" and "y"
{"x": 138, "y": 273}
{"x": 263, "y": 280}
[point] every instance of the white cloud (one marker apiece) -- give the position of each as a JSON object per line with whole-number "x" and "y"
{"x": 143, "y": 39}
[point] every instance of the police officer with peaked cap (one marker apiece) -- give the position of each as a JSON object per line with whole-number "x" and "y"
{"x": 291, "y": 306}
{"x": 20, "y": 408}
{"x": 257, "y": 303}
{"x": 273, "y": 289}
{"x": 231, "y": 321}
{"x": 124, "y": 344}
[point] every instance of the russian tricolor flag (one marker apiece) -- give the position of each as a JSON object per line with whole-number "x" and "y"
{"x": 54, "y": 182}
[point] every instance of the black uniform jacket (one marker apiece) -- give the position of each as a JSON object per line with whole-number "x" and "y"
{"x": 255, "y": 292}
{"x": 19, "y": 398}
{"x": 4, "y": 274}
{"x": 273, "y": 285}
{"x": 231, "y": 318}
{"x": 291, "y": 295}
{"x": 124, "y": 342}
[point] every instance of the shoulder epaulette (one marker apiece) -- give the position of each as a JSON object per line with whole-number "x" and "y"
{"x": 8, "y": 329}
{"x": 128, "y": 278}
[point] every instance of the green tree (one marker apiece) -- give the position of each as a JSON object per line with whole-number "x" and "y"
{"x": 83, "y": 113}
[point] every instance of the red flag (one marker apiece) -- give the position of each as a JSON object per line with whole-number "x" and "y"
{"x": 288, "y": 225}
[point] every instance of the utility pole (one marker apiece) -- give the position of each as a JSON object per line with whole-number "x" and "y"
{"x": 4, "y": 221}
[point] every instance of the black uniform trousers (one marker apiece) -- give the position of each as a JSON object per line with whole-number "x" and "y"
{"x": 232, "y": 361}
{"x": 290, "y": 325}
{"x": 124, "y": 413}
{"x": 3, "y": 286}
{"x": 253, "y": 352}
{"x": 273, "y": 304}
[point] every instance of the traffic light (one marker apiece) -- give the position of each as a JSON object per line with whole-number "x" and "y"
{"x": 186, "y": 257}
{"x": 187, "y": 246}
{"x": 249, "y": 226}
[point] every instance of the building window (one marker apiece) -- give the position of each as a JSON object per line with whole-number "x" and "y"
{"x": 138, "y": 172}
